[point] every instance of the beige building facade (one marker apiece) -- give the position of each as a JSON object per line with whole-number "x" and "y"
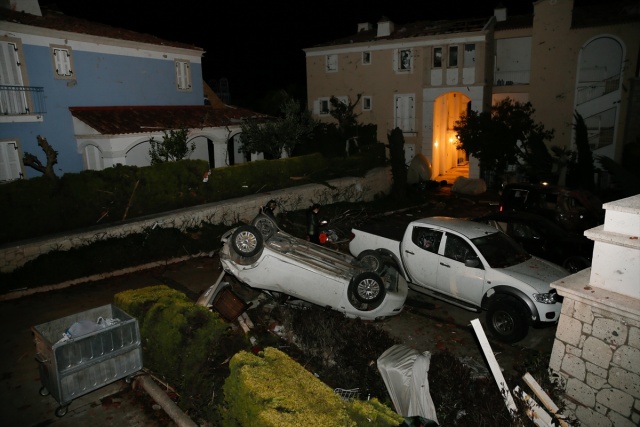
{"x": 421, "y": 77}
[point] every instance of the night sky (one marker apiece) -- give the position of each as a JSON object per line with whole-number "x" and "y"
{"x": 258, "y": 46}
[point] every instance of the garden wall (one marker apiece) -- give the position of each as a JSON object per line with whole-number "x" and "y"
{"x": 375, "y": 182}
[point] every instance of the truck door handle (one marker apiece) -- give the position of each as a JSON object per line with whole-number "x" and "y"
{"x": 409, "y": 252}
{"x": 445, "y": 265}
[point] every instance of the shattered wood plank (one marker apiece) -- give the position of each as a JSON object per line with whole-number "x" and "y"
{"x": 495, "y": 367}
{"x": 544, "y": 398}
{"x": 538, "y": 415}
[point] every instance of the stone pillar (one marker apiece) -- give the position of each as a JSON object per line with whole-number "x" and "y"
{"x": 597, "y": 346}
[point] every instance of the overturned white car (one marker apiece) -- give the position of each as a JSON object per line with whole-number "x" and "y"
{"x": 266, "y": 258}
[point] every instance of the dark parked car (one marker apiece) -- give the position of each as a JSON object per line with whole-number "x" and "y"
{"x": 543, "y": 238}
{"x": 574, "y": 210}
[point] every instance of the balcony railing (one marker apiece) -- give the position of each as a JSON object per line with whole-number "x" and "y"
{"x": 508, "y": 78}
{"x": 21, "y": 100}
{"x": 588, "y": 90}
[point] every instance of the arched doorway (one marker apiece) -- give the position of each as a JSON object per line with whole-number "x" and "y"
{"x": 447, "y": 110}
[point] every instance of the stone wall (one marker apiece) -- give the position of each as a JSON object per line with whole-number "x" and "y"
{"x": 376, "y": 182}
{"x": 596, "y": 351}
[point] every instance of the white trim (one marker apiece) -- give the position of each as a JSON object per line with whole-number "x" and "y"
{"x": 366, "y": 107}
{"x": 359, "y": 47}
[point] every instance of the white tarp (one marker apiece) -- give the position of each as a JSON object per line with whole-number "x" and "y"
{"x": 405, "y": 373}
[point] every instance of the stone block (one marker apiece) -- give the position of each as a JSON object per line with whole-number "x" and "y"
{"x": 574, "y": 366}
{"x": 634, "y": 337}
{"x": 557, "y": 353}
{"x": 597, "y": 370}
{"x": 580, "y": 392}
{"x": 569, "y": 330}
{"x": 610, "y": 331}
{"x": 597, "y": 352}
{"x": 625, "y": 381}
{"x": 589, "y": 417}
{"x": 615, "y": 399}
{"x": 583, "y": 313}
{"x": 595, "y": 381}
{"x": 627, "y": 358}
{"x": 620, "y": 421}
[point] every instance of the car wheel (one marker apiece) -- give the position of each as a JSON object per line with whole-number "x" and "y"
{"x": 246, "y": 240}
{"x": 575, "y": 264}
{"x": 507, "y": 321}
{"x": 372, "y": 261}
{"x": 265, "y": 225}
{"x": 367, "y": 287}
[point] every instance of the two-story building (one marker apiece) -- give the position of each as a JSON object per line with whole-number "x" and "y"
{"x": 99, "y": 94}
{"x": 422, "y": 76}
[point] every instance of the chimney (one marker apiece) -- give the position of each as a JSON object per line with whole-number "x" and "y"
{"x": 364, "y": 26}
{"x": 500, "y": 12}
{"x": 385, "y": 27}
{"x": 31, "y": 7}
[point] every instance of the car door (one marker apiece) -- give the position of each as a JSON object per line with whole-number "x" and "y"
{"x": 456, "y": 279}
{"x": 421, "y": 257}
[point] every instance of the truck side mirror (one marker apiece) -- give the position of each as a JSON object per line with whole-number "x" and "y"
{"x": 472, "y": 261}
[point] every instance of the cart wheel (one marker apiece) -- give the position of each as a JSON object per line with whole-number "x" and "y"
{"x": 43, "y": 391}
{"x": 62, "y": 411}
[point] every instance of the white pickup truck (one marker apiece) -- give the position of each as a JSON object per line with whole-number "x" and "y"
{"x": 467, "y": 264}
{"x": 269, "y": 259}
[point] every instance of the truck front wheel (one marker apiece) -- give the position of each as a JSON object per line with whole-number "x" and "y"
{"x": 507, "y": 320}
{"x": 372, "y": 261}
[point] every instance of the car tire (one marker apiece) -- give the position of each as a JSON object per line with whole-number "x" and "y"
{"x": 367, "y": 287}
{"x": 372, "y": 261}
{"x": 507, "y": 320}
{"x": 265, "y": 225}
{"x": 575, "y": 264}
{"x": 247, "y": 241}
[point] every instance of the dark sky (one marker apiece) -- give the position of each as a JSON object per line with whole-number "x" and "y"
{"x": 258, "y": 46}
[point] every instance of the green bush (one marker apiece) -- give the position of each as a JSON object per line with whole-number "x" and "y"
{"x": 179, "y": 341}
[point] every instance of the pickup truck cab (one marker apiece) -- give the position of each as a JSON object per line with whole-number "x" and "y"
{"x": 468, "y": 264}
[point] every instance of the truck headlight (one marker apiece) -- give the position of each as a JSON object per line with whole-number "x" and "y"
{"x": 545, "y": 298}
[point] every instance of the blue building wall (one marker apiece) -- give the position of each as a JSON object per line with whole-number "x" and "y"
{"x": 100, "y": 80}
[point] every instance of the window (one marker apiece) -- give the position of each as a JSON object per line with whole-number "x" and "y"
{"x": 11, "y": 74}
{"x": 405, "y": 113}
{"x": 366, "y": 103}
{"x": 469, "y": 59}
{"x": 62, "y": 64}
{"x": 457, "y": 248}
{"x": 322, "y": 106}
{"x": 10, "y": 165}
{"x": 183, "y": 75}
{"x": 437, "y": 57}
{"x": 453, "y": 56}
{"x": 405, "y": 60}
{"x": 366, "y": 58}
{"x": 332, "y": 63}
{"x": 426, "y": 238}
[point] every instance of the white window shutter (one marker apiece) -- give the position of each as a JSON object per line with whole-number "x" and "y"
{"x": 62, "y": 59}
{"x": 316, "y": 106}
{"x": 9, "y": 162}
{"x": 183, "y": 75}
{"x": 405, "y": 113}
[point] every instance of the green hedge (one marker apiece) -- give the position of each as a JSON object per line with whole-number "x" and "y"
{"x": 40, "y": 206}
{"x": 179, "y": 340}
{"x": 271, "y": 389}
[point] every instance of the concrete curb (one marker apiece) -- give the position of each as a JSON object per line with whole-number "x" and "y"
{"x": 19, "y": 293}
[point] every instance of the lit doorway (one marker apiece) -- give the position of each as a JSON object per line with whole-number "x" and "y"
{"x": 447, "y": 110}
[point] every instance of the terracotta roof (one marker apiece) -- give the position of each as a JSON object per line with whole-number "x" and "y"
{"x": 57, "y": 21}
{"x": 415, "y": 29}
{"x": 139, "y": 119}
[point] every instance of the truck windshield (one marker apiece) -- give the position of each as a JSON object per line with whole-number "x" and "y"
{"x": 500, "y": 250}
